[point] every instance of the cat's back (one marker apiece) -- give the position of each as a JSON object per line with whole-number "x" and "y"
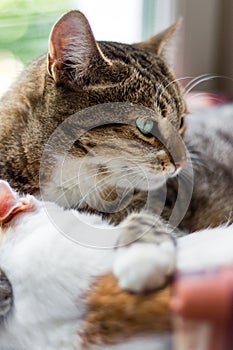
{"x": 209, "y": 139}
{"x": 211, "y": 131}
{"x": 24, "y": 90}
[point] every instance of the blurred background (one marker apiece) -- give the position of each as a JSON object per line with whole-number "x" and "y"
{"x": 203, "y": 45}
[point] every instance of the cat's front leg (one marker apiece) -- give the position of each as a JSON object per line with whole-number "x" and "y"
{"x": 146, "y": 253}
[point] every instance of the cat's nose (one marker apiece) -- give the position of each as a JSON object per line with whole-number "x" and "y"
{"x": 179, "y": 164}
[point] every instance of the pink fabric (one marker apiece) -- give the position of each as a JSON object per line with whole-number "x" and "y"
{"x": 203, "y": 305}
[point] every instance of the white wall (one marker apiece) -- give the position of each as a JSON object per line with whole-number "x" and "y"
{"x": 119, "y": 20}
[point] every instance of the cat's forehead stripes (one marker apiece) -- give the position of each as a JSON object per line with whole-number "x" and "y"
{"x": 157, "y": 81}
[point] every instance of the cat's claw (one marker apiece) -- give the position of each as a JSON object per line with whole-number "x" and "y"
{"x": 144, "y": 266}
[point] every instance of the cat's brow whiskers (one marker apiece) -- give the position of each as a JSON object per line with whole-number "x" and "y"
{"x": 161, "y": 85}
{"x": 160, "y": 88}
{"x": 186, "y": 87}
{"x": 201, "y": 80}
{"x": 170, "y": 83}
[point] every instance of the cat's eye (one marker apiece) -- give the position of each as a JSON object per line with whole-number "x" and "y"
{"x": 144, "y": 125}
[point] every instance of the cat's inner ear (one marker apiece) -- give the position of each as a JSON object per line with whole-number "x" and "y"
{"x": 10, "y": 204}
{"x": 156, "y": 43}
{"x": 72, "y": 48}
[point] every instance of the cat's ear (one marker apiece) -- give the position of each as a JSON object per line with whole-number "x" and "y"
{"x": 10, "y": 204}
{"x": 72, "y": 48}
{"x": 156, "y": 43}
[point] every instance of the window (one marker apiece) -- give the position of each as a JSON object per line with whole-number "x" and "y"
{"x": 204, "y": 44}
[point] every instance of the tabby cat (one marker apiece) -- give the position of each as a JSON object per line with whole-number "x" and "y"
{"x": 79, "y": 73}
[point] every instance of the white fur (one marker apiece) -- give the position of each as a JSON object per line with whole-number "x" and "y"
{"x": 50, "y": 272}
{"x": 208, "y": 248}
{"x": 146, "y": 266}
{"x": 141, "y": 266}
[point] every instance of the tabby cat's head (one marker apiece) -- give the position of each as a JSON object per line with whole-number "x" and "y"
{"x": 100, "y": 72}
{"x": 84, "y": 73}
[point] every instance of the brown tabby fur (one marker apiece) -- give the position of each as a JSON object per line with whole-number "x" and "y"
{"x": 138, "y": 314}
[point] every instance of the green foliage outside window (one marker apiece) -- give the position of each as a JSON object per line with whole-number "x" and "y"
{"x": 25, "y": 25}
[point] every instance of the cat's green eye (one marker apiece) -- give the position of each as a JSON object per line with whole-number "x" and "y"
{"x": 144, "y": 125}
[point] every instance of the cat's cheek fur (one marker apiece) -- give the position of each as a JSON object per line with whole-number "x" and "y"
{"x": 144, "y": 266}
{"x": 73, "y": 180}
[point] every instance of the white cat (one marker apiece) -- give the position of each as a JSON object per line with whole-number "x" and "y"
{"x": 43, "y": 255}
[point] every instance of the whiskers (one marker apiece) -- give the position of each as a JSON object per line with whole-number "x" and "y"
{"x": 197, "y": 157}
{"x": 99, "y": 187}
{"x": 193, "y": 83}
{"x": 161, "y": 90}
{"x": 186, "y": 173}
{"x": 199, "y": 80}
{"x": 107, "y": 183}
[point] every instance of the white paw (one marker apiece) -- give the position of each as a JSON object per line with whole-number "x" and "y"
{"x": 143, "y": 266}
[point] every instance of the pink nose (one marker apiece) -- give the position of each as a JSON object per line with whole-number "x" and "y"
{"x": 180, "y": 163}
